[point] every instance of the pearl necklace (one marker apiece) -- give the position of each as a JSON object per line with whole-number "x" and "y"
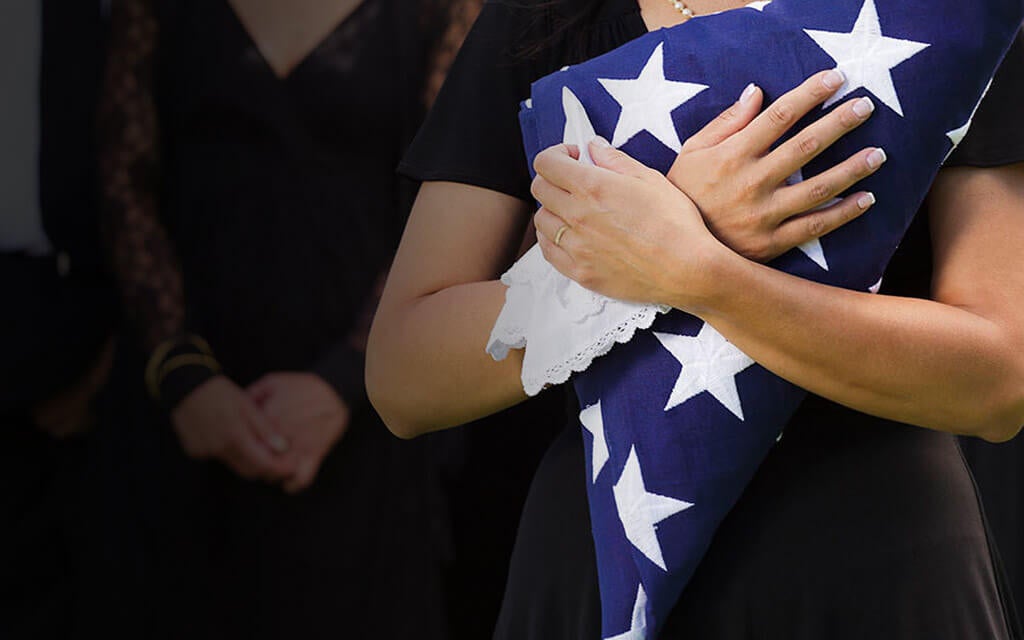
{"x": 682, "y": 8}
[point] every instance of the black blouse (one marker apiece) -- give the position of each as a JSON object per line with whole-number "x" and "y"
{"x": 854, "y": 527}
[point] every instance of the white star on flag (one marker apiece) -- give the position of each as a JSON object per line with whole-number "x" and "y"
{"x": 578, "y": 128}
{"x": 812, "y": 248}
{"x": 593, "y": 421}
{"x": 710, "y": 363}
{"x": 638, "y": 624}
{"x": 760, "y": 5}
{"x": 639, "y": 510}
{"x": 648, "y": 102}
{"x": 867, "y": 57}
{"x": 956, "y": 136}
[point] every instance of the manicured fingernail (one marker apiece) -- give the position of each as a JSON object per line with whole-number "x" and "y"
{"x": 866, "y": 200}
{"x": 833, "y": 79}
{"x": 598, "y": 141}
{"x": 876, "y": 158}
{"x": 863, "y": 107}
{"x": 278, "y": 443}
{"x": 748, "y": 93}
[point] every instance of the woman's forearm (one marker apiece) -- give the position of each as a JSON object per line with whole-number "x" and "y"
{"x": 916, "y": 361}
{"x": 427, "y": 368}
{"x": 953, "y": 364}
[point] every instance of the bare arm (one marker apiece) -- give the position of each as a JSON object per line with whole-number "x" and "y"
{"x": 426, "y": 367}
{"x": 955, "y": 363}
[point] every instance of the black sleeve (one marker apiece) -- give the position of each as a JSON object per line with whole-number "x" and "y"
{"x": 997, "y": 135}
{"x": 342, "y": 368}
{"x": 471, "y": 134}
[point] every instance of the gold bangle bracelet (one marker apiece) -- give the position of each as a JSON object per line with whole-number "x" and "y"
{"x": 156, "y": 367}
{"x": 199, "y": 343}
{"x": 185, "y": 360}
{"x": 153, "y": 366}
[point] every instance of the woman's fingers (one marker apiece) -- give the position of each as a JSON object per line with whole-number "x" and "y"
{"x": 557, "y": 255}
{"x": 814, "y": 192}
{"x": 549, "y": 227}
{"x": 303, "y": 477}
{"x": 730, "y": 121}
{"x": 558, "y": 166}
{"x": 550, "y": 196}
{"x": 806, "y": 145}
{"x": 782, "y": 114}
{"x": 810, "y": 226}
{"x": 608, "y": 157}
{"x": 262, "y": 427}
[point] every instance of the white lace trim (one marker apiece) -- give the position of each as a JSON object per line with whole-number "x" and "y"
{"x": 563, "y": 326}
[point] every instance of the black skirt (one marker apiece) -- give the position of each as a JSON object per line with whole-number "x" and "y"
{"x": 852, "y": 528}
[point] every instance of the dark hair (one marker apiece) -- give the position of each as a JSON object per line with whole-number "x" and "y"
{"x": 558, "y": 20}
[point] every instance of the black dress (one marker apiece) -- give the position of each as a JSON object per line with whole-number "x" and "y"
{"x": 854, "y": 527}
{"x": 282, "y": 208}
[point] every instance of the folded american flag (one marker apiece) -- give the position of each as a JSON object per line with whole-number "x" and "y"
{"x": 678, "y": 418}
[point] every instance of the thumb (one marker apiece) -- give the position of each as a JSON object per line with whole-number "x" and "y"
{"x": 608, "y": 157}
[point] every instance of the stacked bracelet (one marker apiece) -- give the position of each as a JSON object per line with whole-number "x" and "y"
{"x": 178, "y": 366}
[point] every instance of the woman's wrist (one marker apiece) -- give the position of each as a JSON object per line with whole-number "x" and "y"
{"x": 177, "y": 367}
{"x": 703, "y": 276}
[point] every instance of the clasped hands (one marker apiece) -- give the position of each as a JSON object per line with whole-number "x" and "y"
{"x": 629, "y": 232}
{"x": 278, "y": 430}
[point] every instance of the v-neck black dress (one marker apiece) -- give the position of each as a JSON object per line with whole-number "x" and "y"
{"x": 854, "y": 527}
{"x": 281, "y": 201}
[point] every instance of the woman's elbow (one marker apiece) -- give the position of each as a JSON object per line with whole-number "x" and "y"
{"x": 381, "y": 381}
{"x": 1003, "y": 414}
{"x": 382, "y": 392}
{"x": 1002, "y": 426}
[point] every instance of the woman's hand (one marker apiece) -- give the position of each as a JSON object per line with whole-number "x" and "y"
{"x": 217, "y": 420}
{"x": 737, "y": 185}
{"x": 741, "y": 185}
{"x": 309, "y": 413}
{"x": 624, "y": 223}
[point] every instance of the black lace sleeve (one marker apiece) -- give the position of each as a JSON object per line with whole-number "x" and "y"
{"x": 140, "y": 252}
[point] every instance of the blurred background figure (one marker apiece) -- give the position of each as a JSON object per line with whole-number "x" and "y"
{"x": 56, "y": 312}
{"x": 251, "y": 210}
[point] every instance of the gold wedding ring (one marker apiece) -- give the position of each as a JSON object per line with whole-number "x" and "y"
{"x": 558, "y": 234}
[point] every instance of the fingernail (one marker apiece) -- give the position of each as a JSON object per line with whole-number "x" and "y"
{"x": 748, "y": 93}
{"x": 866, "y": 200}
{"x": 876, "y": 158}
{"x": 833, "y": 79}
{"x": 278, "y": 443}
{"x": 598, "y": 141}
{"x": 863, "y": 107}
